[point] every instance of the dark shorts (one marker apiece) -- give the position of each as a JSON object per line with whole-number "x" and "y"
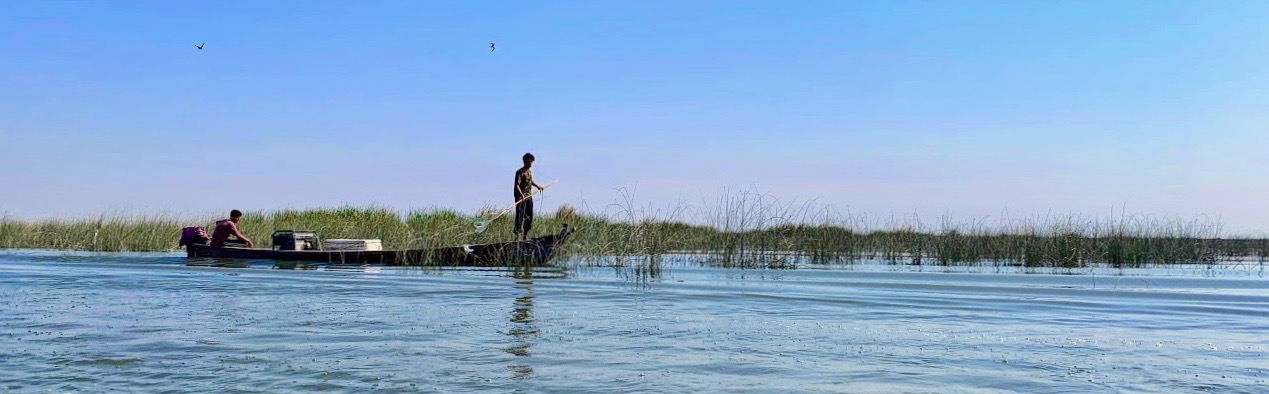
{"x": 524, "y": 216}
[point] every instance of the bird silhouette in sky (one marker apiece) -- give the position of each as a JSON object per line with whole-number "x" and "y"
{"x": 491, "y": 47}
{"x": 200, "y": 46}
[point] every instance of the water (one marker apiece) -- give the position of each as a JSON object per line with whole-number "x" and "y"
{"x": 147, "y": 323}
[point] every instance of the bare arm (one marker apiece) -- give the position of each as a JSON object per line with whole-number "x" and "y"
{"x": 238, "y": 234}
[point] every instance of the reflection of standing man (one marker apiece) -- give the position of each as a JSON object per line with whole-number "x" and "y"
{"x": 523, "y": 190}
{"x": 523, "y": 332}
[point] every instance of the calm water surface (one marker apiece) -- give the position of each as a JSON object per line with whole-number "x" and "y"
{"x": 147, "y": 323}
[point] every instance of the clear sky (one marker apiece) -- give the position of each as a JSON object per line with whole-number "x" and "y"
{"x": 959, "y": 108}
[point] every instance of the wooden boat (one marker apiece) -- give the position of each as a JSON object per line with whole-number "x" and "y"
{"x": 535, "y": 251}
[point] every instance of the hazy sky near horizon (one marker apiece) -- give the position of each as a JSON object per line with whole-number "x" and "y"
{"x": 968, "y": 109}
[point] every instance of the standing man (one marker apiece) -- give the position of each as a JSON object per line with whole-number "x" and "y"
{"x": 523, "y": 190}
{"x": 227, "y": 227}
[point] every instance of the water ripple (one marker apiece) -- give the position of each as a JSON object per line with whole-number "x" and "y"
{"x": 148, "y": 323}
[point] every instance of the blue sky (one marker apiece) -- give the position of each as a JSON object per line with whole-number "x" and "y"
{"x": 958, "y": 108}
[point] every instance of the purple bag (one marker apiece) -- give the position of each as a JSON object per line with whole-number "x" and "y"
{"x": 193, "y": 235}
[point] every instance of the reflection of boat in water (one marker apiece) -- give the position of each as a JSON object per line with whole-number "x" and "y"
{"x": 534, "y": 251}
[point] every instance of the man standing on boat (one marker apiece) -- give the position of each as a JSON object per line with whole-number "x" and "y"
{"x": 524, "y": 201}
{"x": 227, "y": 227}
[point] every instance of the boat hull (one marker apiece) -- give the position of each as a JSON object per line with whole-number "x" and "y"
{"x": 535, "y": 251}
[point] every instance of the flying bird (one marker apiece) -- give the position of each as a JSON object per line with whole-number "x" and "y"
{"x": 491, "y": 47}
{"x": 200, "y": 46}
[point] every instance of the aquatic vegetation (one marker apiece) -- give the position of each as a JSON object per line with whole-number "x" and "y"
{"x": 746, "y": 229}
{"x": 104, "y": 233}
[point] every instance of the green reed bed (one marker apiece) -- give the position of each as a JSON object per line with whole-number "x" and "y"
{"x": 749, "y": 230}
{"x": 104, "y": 233}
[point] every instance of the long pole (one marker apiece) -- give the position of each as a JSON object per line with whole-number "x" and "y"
{"x": 481, "y": 225}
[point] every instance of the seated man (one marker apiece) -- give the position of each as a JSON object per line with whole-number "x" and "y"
{"x": 225, "y": 228}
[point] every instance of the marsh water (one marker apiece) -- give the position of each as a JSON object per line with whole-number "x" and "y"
{"x": 148, "y": 323}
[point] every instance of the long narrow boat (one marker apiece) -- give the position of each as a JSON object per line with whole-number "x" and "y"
{"x": 535, "y": 251}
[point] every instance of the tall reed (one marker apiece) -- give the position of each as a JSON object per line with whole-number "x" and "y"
{"x": 745, "y": 229}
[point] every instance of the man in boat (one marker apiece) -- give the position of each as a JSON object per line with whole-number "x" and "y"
{"x": 227, "y": 227}
{"x": 524, "y": 201}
